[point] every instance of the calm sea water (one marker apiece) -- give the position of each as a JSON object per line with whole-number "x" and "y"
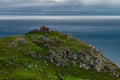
{"x": 103, "y": 34}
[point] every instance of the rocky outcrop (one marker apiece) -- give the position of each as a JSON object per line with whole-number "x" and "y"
{"x": 19, "y": 39}
{"x": 90, "y": 59}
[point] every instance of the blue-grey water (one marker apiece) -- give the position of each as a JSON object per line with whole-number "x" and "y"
{"x": 103, "y": 34}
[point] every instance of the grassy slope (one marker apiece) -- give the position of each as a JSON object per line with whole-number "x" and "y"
{"x": 15, "y": 64}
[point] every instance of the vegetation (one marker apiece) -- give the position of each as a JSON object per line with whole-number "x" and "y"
{"x": 17, "y": 64}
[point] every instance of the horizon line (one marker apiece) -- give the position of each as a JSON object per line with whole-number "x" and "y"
{"x": 57, "y": 17}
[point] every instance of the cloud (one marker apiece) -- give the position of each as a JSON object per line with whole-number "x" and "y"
{"x": 100, "y": 2}
{"x": 29, "y": 3}
{"x": 60, "y": 6}
{"x": 44, "y": 3}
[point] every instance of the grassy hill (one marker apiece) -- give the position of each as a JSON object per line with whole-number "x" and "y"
{"x": 46, "y": 56}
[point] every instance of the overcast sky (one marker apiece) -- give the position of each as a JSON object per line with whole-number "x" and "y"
{"x": 60, "y": 6}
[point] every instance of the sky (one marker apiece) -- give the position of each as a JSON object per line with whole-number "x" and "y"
{"x": 62, "y": 7}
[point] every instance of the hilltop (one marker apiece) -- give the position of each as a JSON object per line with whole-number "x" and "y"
{"x": 44, "y": 54}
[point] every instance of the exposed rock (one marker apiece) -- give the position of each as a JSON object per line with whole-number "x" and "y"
{"x": 32, "y": 36}
{"x": 46, "y": 45}
{"x": 44, "y": 38}
{"x": 69, "y": 36}
{"x": 91, "y": 59}
{"x": 13, "y": 44}
{"x": 36, "y": 55}
{"x": 87, "y": 60}
{"x": 19, "y": 39}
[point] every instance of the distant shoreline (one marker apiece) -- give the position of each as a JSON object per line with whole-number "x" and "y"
{"x": 32, "y": 17}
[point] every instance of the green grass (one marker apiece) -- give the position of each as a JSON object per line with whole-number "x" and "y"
{"x": 73, "y": 78}
{"x": 17, "y": 64}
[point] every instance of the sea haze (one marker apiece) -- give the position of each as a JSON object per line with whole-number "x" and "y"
{"x": 101, "y": 31}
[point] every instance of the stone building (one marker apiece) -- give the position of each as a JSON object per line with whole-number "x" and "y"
{"x": 44, "y": 28}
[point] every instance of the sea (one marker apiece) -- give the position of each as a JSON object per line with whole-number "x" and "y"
{"x": 100, "y": 31}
